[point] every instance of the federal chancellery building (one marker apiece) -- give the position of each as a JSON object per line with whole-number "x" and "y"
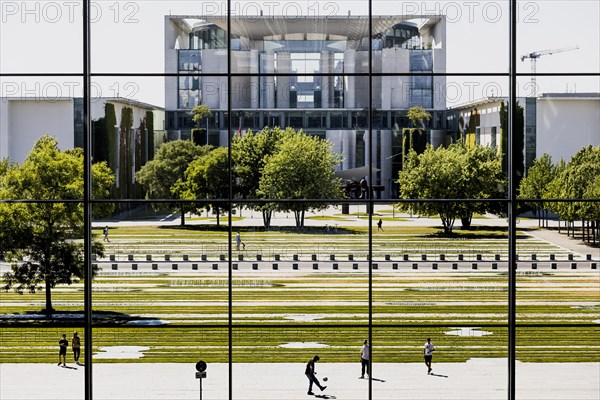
{"x": 313, "y": 75}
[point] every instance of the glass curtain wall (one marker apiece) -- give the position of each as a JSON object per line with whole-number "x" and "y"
{"x": 256, "y": 183}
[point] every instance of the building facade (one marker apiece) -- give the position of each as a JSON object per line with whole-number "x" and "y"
{"x": 311, "y": 74}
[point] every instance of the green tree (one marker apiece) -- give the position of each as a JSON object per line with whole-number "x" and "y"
{"x": 249, "y": 157}
{"x": 200, "y": 112}
{"x": 576, "y": 180}
{"x": 45, "y": 234}
{"x": 414, "y": 138}
{"x": 207, "y": 178}
{"x": 537, "y": 182}
{"x": 450, "y": 173}
{"x": 159, "y": 176}
{"x": 302, "y": 167}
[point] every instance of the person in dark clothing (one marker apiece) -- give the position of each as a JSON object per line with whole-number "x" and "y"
{"x": 310, "y": 374}
{"x": 62, "y": 350}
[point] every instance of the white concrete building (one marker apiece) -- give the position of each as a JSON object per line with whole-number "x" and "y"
{"x": 566, "y": 122}
{"x": 24, "y": 120}
{"x": 310, "y": 73}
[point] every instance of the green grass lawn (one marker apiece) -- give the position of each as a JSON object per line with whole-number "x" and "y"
{"x": 272, "y": 309}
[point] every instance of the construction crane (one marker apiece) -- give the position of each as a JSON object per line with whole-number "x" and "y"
{"x": 537, "y": 54}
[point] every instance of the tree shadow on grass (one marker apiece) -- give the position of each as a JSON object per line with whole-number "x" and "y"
{"x": 75, "y": 318}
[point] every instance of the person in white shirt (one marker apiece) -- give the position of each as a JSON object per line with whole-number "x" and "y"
{"x": 428, "y": 349}
{"x": 365, "y": 357}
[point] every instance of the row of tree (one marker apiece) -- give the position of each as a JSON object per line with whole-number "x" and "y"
{"x": 273, "y": 164}
{"x": 577, "y": 179}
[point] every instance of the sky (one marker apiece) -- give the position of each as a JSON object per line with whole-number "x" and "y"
{"x": 128, "y": 37}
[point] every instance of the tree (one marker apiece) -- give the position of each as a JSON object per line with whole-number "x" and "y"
{"x": 200, "y": 113}
{"x": 414, "y": 138}
{"x": 207, "y": 178}
{"x": 249, "y": 157}
{"x": 160, "y": 175}
{"x": 45, "y": 234}
{"x": 301, "y": 168}
{"x": 537, "y": 182}
{"x": 578, "y": 179}
{"x": 450, "y": 173}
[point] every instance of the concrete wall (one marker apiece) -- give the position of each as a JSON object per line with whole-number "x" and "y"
{"x": 25, "y": 121}
{"x": 565, "y": 125}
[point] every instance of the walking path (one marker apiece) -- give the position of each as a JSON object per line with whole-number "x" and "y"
{"x": 477, "y": 379}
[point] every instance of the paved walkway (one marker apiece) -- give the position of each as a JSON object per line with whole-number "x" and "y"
{"x": 478, "y": 379}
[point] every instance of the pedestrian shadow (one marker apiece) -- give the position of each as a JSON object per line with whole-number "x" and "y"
{"x": 377, "y": 379}
{"x": 325, "y": 396}
{"x": 439, "y": 375}
{"x": 68, "y": 367}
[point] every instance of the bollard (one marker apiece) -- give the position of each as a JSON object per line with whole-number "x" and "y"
{"x": 442, "y": 257}
{"x": 148, "y": 257}
{"x": 350, "y": 257}
{"x": 387, "y": 257}
{"x": 554, "y": 266}
{"x": 294, "y": 266}
{"x": 394, "y": 265}
{"x": 134, "y": 267}
{"x": 313, "y": 257}
{"x": 114, "y": 267}
{"x": 454, "y": 265}
{"x": 415, "y": 266}
{"x": 234, "y": 266}
{"x": 215, "y": 266}
{"x": 240, "y": 257}
{"x": 295, "y": 257}
{"x": 423, "y": 257}
{"x": 375, "y": 266}
{"x": 494, "y": 265}
{"x": 332, "y": 257}
{"x": 461, "y": 257}
{"x": 130, "y": 257}
{"x": 594, "y": 265}
{"x": 154, "y": 267}
{"x": 335, "y": 266}
{"x": 186, "y": 257}
{"x": 474, "y": 266}
{"x": 254, "y": 266}
{"x": 315, "y": 266}
{"x": 552, "y": 257}
{"x": 570, "y": 257}
{"x": 277, "y": 257}
{"x": 203, "y": 257}
{"x": 355, "y": 266}
{"x": 478, "y": 257}
{"x": 221, "y": 257}
{"x": 405, "y": 257}
{"x": 167, "y": 257}
{"x": 275, "y": 266}
{"x": 174, "y": 267}
{"x": 194, "y": 267}
{"x": 497, "y": 257}
{"x": 588, "y": 257}
{"x": 573, "y": 265}
{"x": 259, "y": 257}
{"x": 533, "y": 265}
{"x": 434, "y": 266}
{"x": 111, "y": 257}
{"x": 534, "y": 257}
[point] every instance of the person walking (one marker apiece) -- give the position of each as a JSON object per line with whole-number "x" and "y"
{"x": 365, "y": 357}
{"x": 62, "y": 350}
{"x": 105, "y": 232}
{"x": 428, "y": 349}
{"x": 379, "y": 224}
{"x": 76, "y": 346}
{"x": 310, "y": 374}
{"x": 238, "y": 241}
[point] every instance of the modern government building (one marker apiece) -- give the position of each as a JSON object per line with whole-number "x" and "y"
{"x": 312, "y": 74}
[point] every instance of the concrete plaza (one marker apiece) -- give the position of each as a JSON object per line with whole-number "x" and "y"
{"x": 477, "y": 379}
